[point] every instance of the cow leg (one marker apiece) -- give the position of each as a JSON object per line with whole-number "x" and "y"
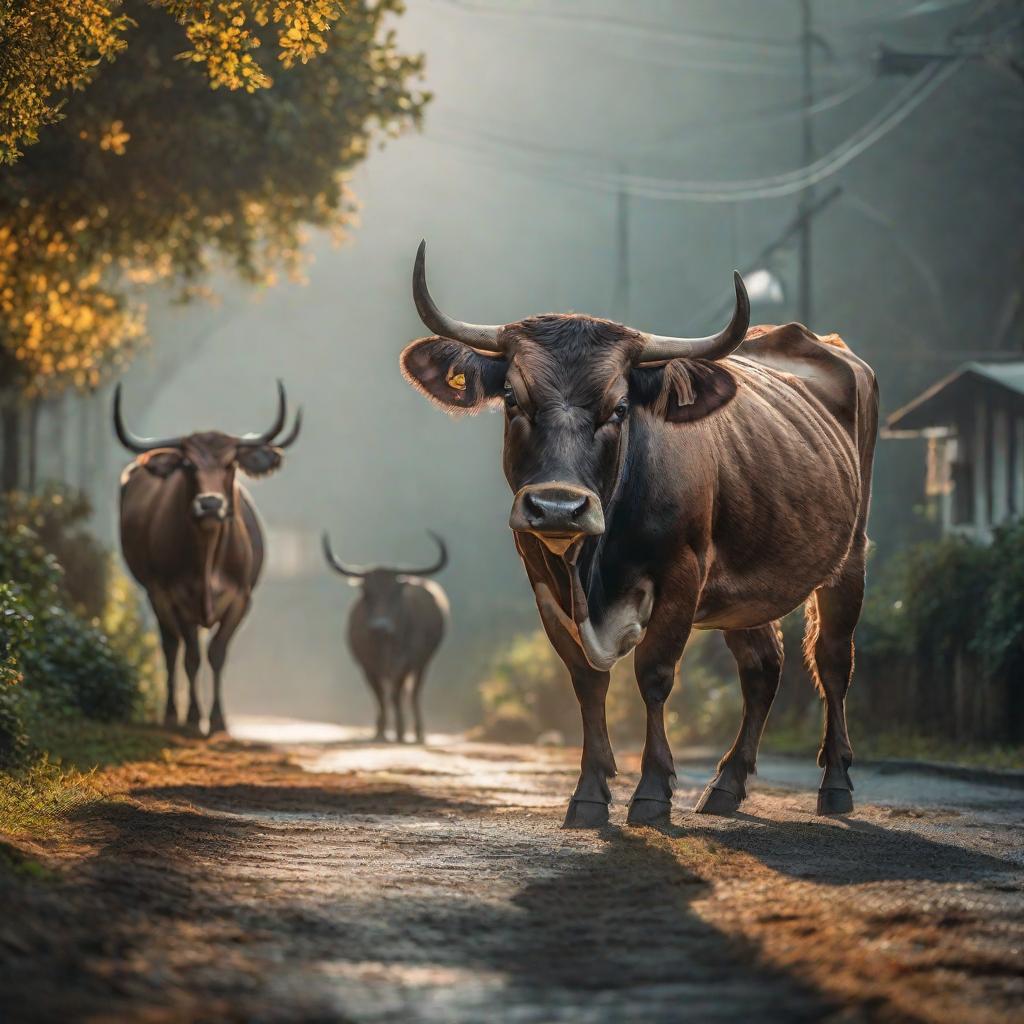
{"x": 832, "y": 615}
{"x": 192, "y": 661}
{"x": 655, "y": 665}
{"x": 382, "y": 717}
{"x": 588, "y": 807}
{"x": 217, "y": 653}
{"x": 414, "y": 698}
{"x": 397, "y": 691}
{"x": 758, "y": 653}
{"x": 170, "y": 641}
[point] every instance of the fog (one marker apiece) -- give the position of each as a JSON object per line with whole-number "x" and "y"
{"x": 537, "y": 119}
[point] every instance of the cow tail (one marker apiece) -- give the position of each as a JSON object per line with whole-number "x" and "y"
{"x": 812, "y": 627}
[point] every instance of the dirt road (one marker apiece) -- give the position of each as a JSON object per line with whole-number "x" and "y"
{"x": 350, "y": 881}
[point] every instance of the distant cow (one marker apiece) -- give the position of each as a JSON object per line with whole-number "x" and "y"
{"x": 668, "y": 483}
{"x": 191, "y": 537}
{"x": 394, "y": 629}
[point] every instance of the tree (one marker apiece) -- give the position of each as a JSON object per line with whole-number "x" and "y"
{"x": 48, "y": 47}
{"x": 152, "y": 174}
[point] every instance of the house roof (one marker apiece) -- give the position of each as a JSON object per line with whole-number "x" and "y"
{"x": 936, "y": 407}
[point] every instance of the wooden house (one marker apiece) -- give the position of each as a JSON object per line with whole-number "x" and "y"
{"x": 973, "y": 421}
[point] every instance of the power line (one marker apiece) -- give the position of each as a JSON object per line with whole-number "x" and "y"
{"x": 751, "y": 60}
{"x": 919, "y": 89}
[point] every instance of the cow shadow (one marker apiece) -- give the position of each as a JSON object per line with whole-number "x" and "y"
{"x": 844, "y": 851}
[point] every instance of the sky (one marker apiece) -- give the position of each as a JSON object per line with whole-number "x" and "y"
{"x": 584, "y": 156}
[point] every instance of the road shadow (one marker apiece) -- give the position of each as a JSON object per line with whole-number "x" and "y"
{"x": 845, "y": 851}
{"x": 257, "y": 799}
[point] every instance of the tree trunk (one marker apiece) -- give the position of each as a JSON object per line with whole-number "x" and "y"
{"x": 10, "y": 467}
{"x": 33, "y": 445}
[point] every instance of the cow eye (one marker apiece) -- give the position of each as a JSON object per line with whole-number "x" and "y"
{"x": 510, "y": 397}
{"x": 619, "y": 412}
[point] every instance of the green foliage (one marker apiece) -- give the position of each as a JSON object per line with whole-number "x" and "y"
{"x": 528, "y": 692}
{"x": 57, "y": 518}
{"x": 1000, "y": 637}
{"x": 60, "y": 662}
{"x": 15, "y": 624}
{"x": 171, "y": 174}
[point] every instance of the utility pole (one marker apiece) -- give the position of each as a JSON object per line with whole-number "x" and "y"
{"x": 804, "y": 307}
{"x": 620, "y": 305}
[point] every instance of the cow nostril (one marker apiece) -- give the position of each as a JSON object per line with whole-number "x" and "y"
{"x": 533, "y": 505}
{"x": 580, "y": 507}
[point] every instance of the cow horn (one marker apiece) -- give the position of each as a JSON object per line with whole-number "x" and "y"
{"x": 716, "y": 346}
{"x": 479, "y": 336}
{"x": 437, "y": 566}
{"x": 255, "y": 440}
{"x": 138, "y": 445}
{"x": 336, "y": 564}
{"x": 293, "y": 434}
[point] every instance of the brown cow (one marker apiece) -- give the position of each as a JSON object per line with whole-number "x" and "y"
{"x": 191, "y": 537}
{"x": 663, "y": 484}
{"x": 394, "y": 630}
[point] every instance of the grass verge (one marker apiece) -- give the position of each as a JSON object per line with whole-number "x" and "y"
{"x": 882, "y": 746}
{"x": 37, "y": 800}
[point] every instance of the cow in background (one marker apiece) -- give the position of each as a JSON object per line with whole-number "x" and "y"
{"x": 394, "y": 630}
{"x": 191, "y": 536}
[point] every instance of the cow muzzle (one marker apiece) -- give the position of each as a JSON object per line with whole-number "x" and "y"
{"x": 557, "y": 514}
{"x": 210, "y": 507}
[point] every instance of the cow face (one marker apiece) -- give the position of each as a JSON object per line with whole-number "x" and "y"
{"x": 569, "y": 387}
{"x": 382, "y": 595}
{"x": 208, "y": 461}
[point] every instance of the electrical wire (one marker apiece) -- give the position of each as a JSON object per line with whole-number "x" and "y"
{"x": 916, "y": 92}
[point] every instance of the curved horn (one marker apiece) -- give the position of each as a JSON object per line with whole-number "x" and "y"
{"x": 336, "y": 564}
{"x": 138, "y": 445}
{"x": 293, "y": 433}
{"x": 255, "y": 440}
{"x": 480, "y": 336}
{"x": 716, "y": 346}
{"x": 437, "y": 566}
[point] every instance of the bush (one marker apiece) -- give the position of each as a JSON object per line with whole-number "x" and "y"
{"x": 528, "y": 692}
{"x": 57, "y": 518}
{"x": 59, "y": 663}
{"x": 14, "y": 630}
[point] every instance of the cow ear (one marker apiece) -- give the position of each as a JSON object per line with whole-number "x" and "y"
{"x": 260, "y": 461}
{"x": 683, "y": 390}
{"x": 453, "y": 375}
{"x": 161, "y": 462}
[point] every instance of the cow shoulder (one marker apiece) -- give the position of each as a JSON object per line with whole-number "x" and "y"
{"x": 426, "y": 594}
{"x": 827, "y": 368}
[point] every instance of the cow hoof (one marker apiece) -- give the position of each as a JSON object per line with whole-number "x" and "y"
{"x": 835, "y": 801}
{"x": 653, "y": 813}
{"x": 170, "y": 720}
{"x": 192, "y": 729}
{"x": 585, "y": 814}
{"x": 717, "y": 801}
{"x": 380, "y": 737}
